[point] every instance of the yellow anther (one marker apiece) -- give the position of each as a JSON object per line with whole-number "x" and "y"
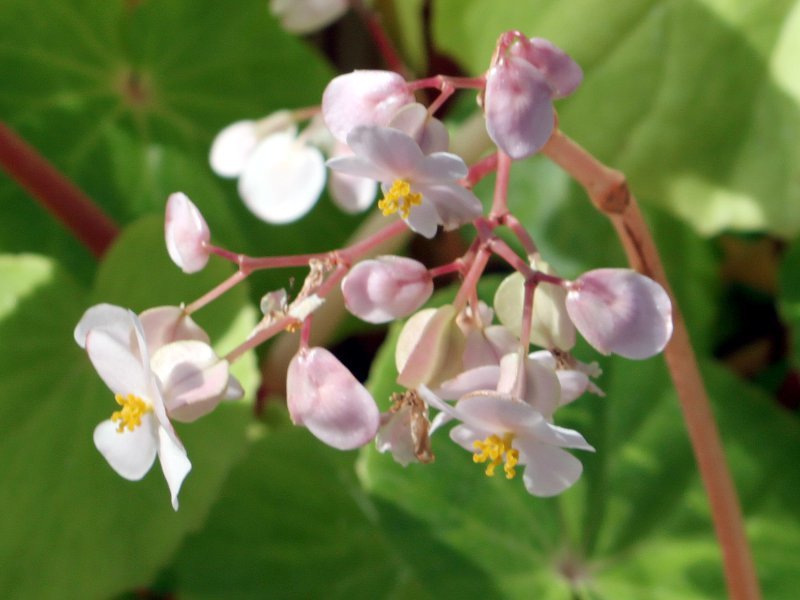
{"x": 493, "y": 449}
{"x": 399, "y": 198}
{"x": 133, "y": 409}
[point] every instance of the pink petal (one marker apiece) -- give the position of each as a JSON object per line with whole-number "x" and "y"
{"x": 186, "y": 233}
{"x": 165, "y": 324}
{"x": 324, "y": 396}
{"x": 130, "y": 453}
{"x": 519, "y": 109}
{"x": 455, "y": 205}
{"x": 351, "y": 194}
{"x": 363, "y": 98}
{"x": 561, "y": 72}
{"x": 441, "y": 167}
{"x": 390, "y": 287}
{"x": 426, "y": 348}
{"x": 392, "y": 152}
{"x": 193, "y": 378}
{"x": 472, "y": 380}
{"x": 621, "y": 311}
{"x": 283, "y": 179}
{"x": 429, "y": 132}
{"x": 424, "y": 220}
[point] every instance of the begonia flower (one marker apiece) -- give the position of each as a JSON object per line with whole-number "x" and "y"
{"x": 307, "y": 16}
{"x": 234, "y": 145}
{"x": 324, "y": 396}
{"x": 351, "y": 194}
{"x": 485, "y": 343}
{"x": 386, "y": 288}
{"x": 423, "y": 189}
{"x": 282, "y": 179}
{"x": 363, "y": 98}
{"x": 500, "y": 430}
{"x": 525, "y": 77}
{"x": 621, "y": 311}
{"x": 186, "y": 233}
{"x": 182, "y": 379}
{"x": 429, "y": 132}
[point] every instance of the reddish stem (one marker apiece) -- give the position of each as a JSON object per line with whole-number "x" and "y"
{"x": 480, "y": 170}
{"x": 57, "y": 194}
{"x": 500, "y": 200}
{"x": 608, "y": 190}
{"x": 383, "y": 42}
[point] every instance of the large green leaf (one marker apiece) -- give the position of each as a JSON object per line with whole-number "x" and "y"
{"x": 637, "y": 524}
{"x": 293, "y": 522}
{"x": 70, "y": 526}
{"x": 125, "y": 98}
{"x": 789, "y": 296}
{"x": 697, "y": 101}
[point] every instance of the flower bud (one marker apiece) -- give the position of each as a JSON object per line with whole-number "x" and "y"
{"x": 363, "y": 98}
{"x": 561, "y": 72}
{"x": 186, "y": 233}
{"x": 323, "y": 396}
{"x": 621, "y": 311}
{"x": 390, "y": 287}
{"x": 429, "y": 348}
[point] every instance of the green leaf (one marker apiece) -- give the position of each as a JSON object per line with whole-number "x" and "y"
{"x": 70, "y": 526}
{"x": 125, "y": 98}
{"x": 698, "y": 102}
{"x": 293, "y": 522}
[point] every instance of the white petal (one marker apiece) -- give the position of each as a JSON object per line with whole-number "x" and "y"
{"x": 441, "y": 167}
{"x": 232, "y": 147}
{"x": 548, "y": 470}
{"x": 283, "y": 179}
{"x": 473, "y": 380}
{"x": 130, "y": 453}
{"x": 454, "y": 205}
{"x": 118, "y": 363}
{"x": 573, "y": 385}
{"x": 429, "y": 132}
{"x": 351, "y": 194}
{"x": 390, "y": 150}
{"x": 357, "y": 166}
{"x": 165, "y": 324}
{"x": 307, "y": 16}
{"x": 105, "y": 316}
{"x": 424, "y": 220}
{"x": 174, "y": 462}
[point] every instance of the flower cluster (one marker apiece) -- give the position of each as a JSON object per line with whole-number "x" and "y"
{"x": 493, "y": 376}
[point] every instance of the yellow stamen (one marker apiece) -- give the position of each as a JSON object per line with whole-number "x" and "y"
{"x": 493, "y": 449}
{"x": 400, "y": 198}
{"x": 133, "y": 409}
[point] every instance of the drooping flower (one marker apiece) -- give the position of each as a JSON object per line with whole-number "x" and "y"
{"x": 307, "y": 16}
{"x": 500, "y": 430}
{"x": 621, "y": 311}
{"x": 324, "y": 396}
{"x": 186, "y": 233}
{"x": 423, "y": 189}
{"x": 525, "y": 76}
{"x": 182, "y": 379}
{"x": 386, "y": 288}
{"x": 363, "y": 98}
{"x": 404, "y": 430}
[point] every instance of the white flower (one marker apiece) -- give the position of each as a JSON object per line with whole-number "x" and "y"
{"x": 307, "y": 16}
{"x": 499, "y": 429}
{"x": 423, "y": 189}
{"x": 182, "y": 378}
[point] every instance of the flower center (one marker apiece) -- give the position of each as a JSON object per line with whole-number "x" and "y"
{"x": 400, "y": 198}
{"x": 133, "y": 409}
{"x": 496, "y": 450}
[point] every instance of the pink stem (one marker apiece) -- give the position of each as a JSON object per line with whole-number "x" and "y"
{"x": 470, "y": 283}
{"x": 440, "y": 81}
{"x": 480, "y": 170}
{"x": 383, "y": 42}
{"x": 608, "y": 191}
{"x": 57, "y": 194}
{"x": 500, "y": 201}
{"x": 212, "y": 295}
{"x": 521, "y": 233}
{"x": 259, "y": 338}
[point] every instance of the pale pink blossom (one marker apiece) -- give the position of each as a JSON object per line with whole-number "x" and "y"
{"x": 525, "y": 77}
{"x": 307, "y": 16}
{"x": 423, "y": 189}
{"x": 182, "y": 379}
{"x": 186, "y": 233}
{"x": 351, "y": 194}
{"x": 501, "y": 430}
{"x": 363, "y": 98}
{"x": 386, "y": 288}
{"x": 621, "y": 311}
{"x": 429, "y": 348}
{"x": 325, "y": 397}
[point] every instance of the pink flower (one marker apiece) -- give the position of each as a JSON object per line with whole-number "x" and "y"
{"x": 323, "y": 396}
{"x": 501, "y": 430}
{"x": 363, "y": 98}
{"x": 186, "y": 233}
{"x": 621, "y": 311}
{"x": 183, "y": 379}
{"x": 423, "y": 189}
{"x": 387, "y": 288}
{"x": 525, "y": 77}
